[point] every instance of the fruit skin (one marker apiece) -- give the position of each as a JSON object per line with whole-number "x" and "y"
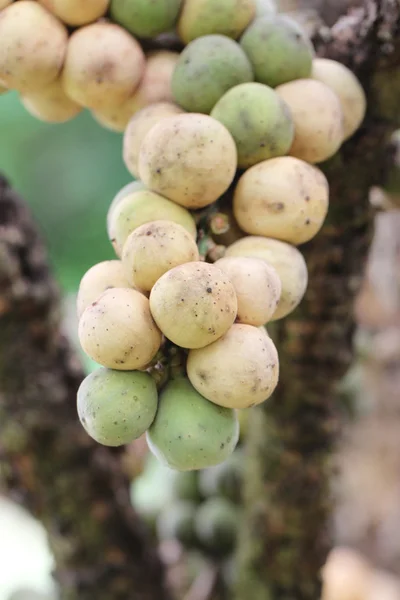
{"x": 186, "y": 486}
{"x": 265, "y": 7}
{"x": 348, "y": 89}
{"x": 103, "y": 66}
{"x": 258, "y": 120}
{"x": 51, "y": 104}
{"x": 217, "y": 524}
{"x": 239, "y": 370}
{"x": 278, "y": 50}
{"x": 190, "y": 433}
{"x": 4, "y": 3}
{"x": 193, "y": 304}
{"x": 139, "y": 126}
{"x": 199, "y": 17}
{"x": 224, "y": 479}
{"x": 32, "y": 46}
{"x": 130, "y": 188}
{"x": 117, "y": 407}
{"x": 318, "y": 119}
{"x": 155, "y": 248}
{"x": 118, "y": 332}
{"x": 99, "y": 278}
{"x": 286, "y": 260}
{"x": 284, "y": 198}
{"x": 190, "y": 158}
{"x": 144, "y": 18}
{"x": 76, "y": 12}
{"x": 141, "y": 207}
{"x": 207, "y": 68}
{"x": 346, "y": 575}
{"x": 257, "y": 286}
{"x": 176, "y": 522}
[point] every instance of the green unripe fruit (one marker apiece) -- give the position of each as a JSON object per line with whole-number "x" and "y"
{"x": 145, "y": 18}
{"x": 142, "y": 207}
{"x": 224, "y": 479}
{"x": 176, "y": 522}
{"x": 265, "y": 7}
{"x": 278, "y": 50}
{"x": 207, "y": 68}
{"x": 186, "y": 486}
{"x": 117, "y": 407}
{"x": 258, "y": 120}
{"x": 189, "y": 432}
{"x": 216, "y": 525}
{"x": 128, "y": 189}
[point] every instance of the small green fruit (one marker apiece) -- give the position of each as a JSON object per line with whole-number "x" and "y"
{"x": 189, "y": 432}
{"x": 216, "y": 525}
{"x": 117, "y": 407}
{"x": 224, "y": 479}
{"x": 145, "y": 18}
{"x": 177, "y": 522}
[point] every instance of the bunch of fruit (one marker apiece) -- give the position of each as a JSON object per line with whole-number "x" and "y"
{"x": 244, "y": 112}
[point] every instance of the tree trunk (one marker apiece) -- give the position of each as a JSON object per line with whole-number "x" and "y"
{"x": 285, "y": 535}
{"x": 47, "y": 462}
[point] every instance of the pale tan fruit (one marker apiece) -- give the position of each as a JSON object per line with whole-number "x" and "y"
{"x": 117, "y": 330}
{"x": 286, "y": 260}
{"x": 191, "y": 159}
{"x": 77, "y": 12}
{"x": 139, "y": 126}
{"x": 51, "y": 104}
{"x": 155, "y": 248}
{"x": 239, "y": 370}
{"x": 318, "y": 119}
{"x": 257, "y": 286}
{"x": 200, "y": 17}
{"x": 141, "y": 207}
{"x": 193, "y": 304}
{"x": 348, "y": 89}
{"x": 4, "y": 3}
{"x": 345, "y": 576}
{"x": 283, "y": 198}
{"x": 155, "y": 85}
{"x": 133, "y": 186}
{"x": 32, "y": 46}
{"x": 115, "y": 118}
{"x": 99, "y": 278}
{"x": 103, "y": 66}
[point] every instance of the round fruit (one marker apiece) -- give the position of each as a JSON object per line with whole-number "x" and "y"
{"x": 239, "y": 370}
{"x": 186, "y": 486}
{"x": 141, "y": 207}
{"x": 99, "y": 278}
{"x": 348, "y": 89}
{"x": 217, "y": 524}
{"x": 286, "y": 260}
{"x": 258, "y": 120}
{"x": 176, "y": 522}
{"x": 284, "y": 198}
{"x": 200, "y": 17}
{"x": 139, "y": 126}
{"x": 127, "y": 190}
{"x": 265, "y": 7}
{"x": 144, "y": 18}
{"x": 116, "y": 408}
{"x": 318, "y": 119}
{"x": 278, "y": 50}
{"x": 51, "y": 104}
{"x": 103, "y": 66}
{"x": 257, "y": 286}
{"x": 193, "y": 304}
{"x": 224, "y": 479}
{"x": 190, "y": 433}
{"x": 155, "y": 85}
{"x": 115, "y": 118}
{"x": 76, "y": 12}
{"x": 118, "y": 332}
{"x": 155, "y": 248}
{"x": 191, "y": 159}
{"x": 32, "y": 46}
{"x": 207, "y": 68}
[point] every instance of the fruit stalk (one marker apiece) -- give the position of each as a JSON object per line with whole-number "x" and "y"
{"x": 286, "y": 534}
{"x": 47, "y": 462}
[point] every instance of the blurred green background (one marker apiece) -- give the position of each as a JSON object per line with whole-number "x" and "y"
{"x": 68, "y": 174}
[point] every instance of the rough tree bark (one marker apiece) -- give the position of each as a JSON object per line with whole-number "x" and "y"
{"x": 74, "y": 486}
{"x": 285, "y": 534}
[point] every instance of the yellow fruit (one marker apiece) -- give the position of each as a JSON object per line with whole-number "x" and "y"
{"x": 190, "y": 158}
{"x": 32, "y": 46}
{"x": 103, "y": 66}
{"x": 139, "y": 126}
{"x": 283, "y": 198}
{"x": 98, "y": 279}
{"x": 77, "y": 12}
{"x": 51, "y": 104}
